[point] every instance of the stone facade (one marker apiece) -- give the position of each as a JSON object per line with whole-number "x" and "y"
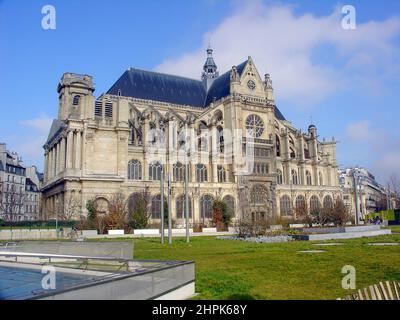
{"x": 97, "y": 148}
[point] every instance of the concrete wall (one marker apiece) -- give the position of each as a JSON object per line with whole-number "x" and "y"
{"x": 34, "y": 234}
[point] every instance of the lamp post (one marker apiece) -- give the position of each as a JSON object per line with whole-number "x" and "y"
{"x": 355, "y": 196}
{"x": 186, "y": 184}
{"x": 162, "y": 203}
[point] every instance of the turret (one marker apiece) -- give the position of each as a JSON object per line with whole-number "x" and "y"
{"x": 210, "y": 72}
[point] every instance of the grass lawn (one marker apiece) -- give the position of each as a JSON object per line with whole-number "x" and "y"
{"x": 228, "y": 269}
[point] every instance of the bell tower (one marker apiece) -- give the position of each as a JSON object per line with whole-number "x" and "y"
{"x": 75, "y": 93}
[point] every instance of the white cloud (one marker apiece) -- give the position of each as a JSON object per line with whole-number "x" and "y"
{"x": 41, "y": 124}
{"x": 359, "y": 131}
{"x": 283, "y": 44}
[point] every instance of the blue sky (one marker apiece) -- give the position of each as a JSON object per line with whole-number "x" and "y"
{"x": 347, "y": 80}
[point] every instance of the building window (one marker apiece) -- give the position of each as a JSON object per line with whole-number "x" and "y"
{"x": 254, "y": 126}
{"x": 295, "y": 179}
{"x": 230, "y": 204}
{"x": 98, "y": 109}
{"x": 179, "y": 172}
{"x": 328, "y": 203}
{"x": 202, "y": 144}
{"x": 180, "y": 207}
{"x": 258, "y": 195}
{"x": 201, "y": 173}
{"x": 286, "y": 206}
{"x": 308, "y": 178}
{"x": 108, "y": 110}
{"x": 221, "y": 174}
{"x": 155, "y": 171}
{"x": 301, "y": 203}
{"x": 206, "y": 206}
{"x": 292, "y": 153}
{"x": 278, "y": 146}
{"x": 279, "y": 177}
{"x": 156, "y": 207}
{"x": 315, "y": 205}
{"x": 134, "y": 170}
{"x": 321, "y": 180}
{"x": 75, "y": 100}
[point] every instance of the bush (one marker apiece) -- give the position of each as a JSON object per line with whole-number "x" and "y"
{"x": 222, "y": 215}
{"x": 339, "y": 215}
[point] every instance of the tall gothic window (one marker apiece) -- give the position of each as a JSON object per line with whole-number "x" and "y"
{"x": 328, "y": 203}
{"x": 201, "y": 173}
{"x": 315, "y": 205}
{"x": 221, "y": 174}
{"x": 155, "y": 171}
{"x": 180, "y": 207}
{"x": 300, "y": 202}
{"x": 286, "y": 206}
{"x": 308, "y": 178}
{"x": 134, "y": 170}
{"x": 206, "y": 206}
{"x": 156, "y": 207}
{"x": 279, "y": 177}
{"x": 179, "y": 172}
{"x": 295, "y": 179}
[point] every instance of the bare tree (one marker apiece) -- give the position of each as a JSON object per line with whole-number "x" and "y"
{"x": 117, "y": 216}
{"x": 394, "y": 188}
{"x": 11, "y": 202}
{"x": 68, "y": 208}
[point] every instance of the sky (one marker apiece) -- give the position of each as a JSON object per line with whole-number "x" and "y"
{"x": 345, "y": 81}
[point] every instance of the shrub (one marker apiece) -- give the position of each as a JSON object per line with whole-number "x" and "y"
{"x": 339, "y": 215}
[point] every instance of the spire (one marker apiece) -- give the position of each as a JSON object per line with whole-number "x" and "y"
{"x": 210, "y": 72}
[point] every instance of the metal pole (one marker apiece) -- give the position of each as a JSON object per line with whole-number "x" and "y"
{"x": 355, "y": 196}
{"x": 162, "y": 203}
{"x": 186, "y": 185}
{"x": 169, "y": 209}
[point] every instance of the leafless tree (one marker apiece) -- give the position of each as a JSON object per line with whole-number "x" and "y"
{"x": 394, "y": 187}
{"x": 11, "y": 202}
{"x": 117, "y": 217}
{"x": 68, "y": 208}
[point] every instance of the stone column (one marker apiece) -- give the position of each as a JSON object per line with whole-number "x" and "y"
{"x": 46, "y": 166}
{"x": 51, "y": 163}
{"x": 54, "y": 160}
{"x": 58, "y": 168}
{"x": 62, "y": 154}
{"x": 214, "y": 154}
{"x": 78, "y": 148}
{"x": 70, "y": 142}
{"x": 196, "y": 209}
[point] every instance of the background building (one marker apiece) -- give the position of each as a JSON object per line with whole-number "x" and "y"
{"x": 359, "y": 188}
{"x": 19, "y": 188}
{"x": 116, "y": 143}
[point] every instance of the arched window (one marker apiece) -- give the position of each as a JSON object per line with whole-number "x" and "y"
{"x": 295, "y": 179}
{"x": 206, "y": 206}
{"x": 321, "y": 179}
{"x": 156, "y": 207}
{"x": 328, "y": 203}
{"x": 155, "y": 171}
{"x": 308, "y": 178}
{"x": 201, "y": 173}
{"x": 179, "y": 172}
{"x": 134, "y": 170}
{"x": 230, "y": 203}
{"x": 102, "y": 206}
{"x": 221, "y": 174}
{"x": 279, "y": 177}
{"x": 278, "y": 146}
{"x": 315, "y": 205}
{"x": 306, "y": 153}
{"x": 180, "y": 207}
{"x": 76, "y": 100}
{"x": 286, "y": 206}
{"x": 258, "y": 195}
{"x": 300, "y": 202}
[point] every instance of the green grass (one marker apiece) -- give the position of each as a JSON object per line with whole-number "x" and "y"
{"x": 228, "y": 269}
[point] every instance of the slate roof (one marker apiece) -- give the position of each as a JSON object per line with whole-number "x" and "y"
{"x": 56, "y": 127}
{"x": 149, "y": 85}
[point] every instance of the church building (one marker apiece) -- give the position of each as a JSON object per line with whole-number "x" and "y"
{"x": 238, "y": 146}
